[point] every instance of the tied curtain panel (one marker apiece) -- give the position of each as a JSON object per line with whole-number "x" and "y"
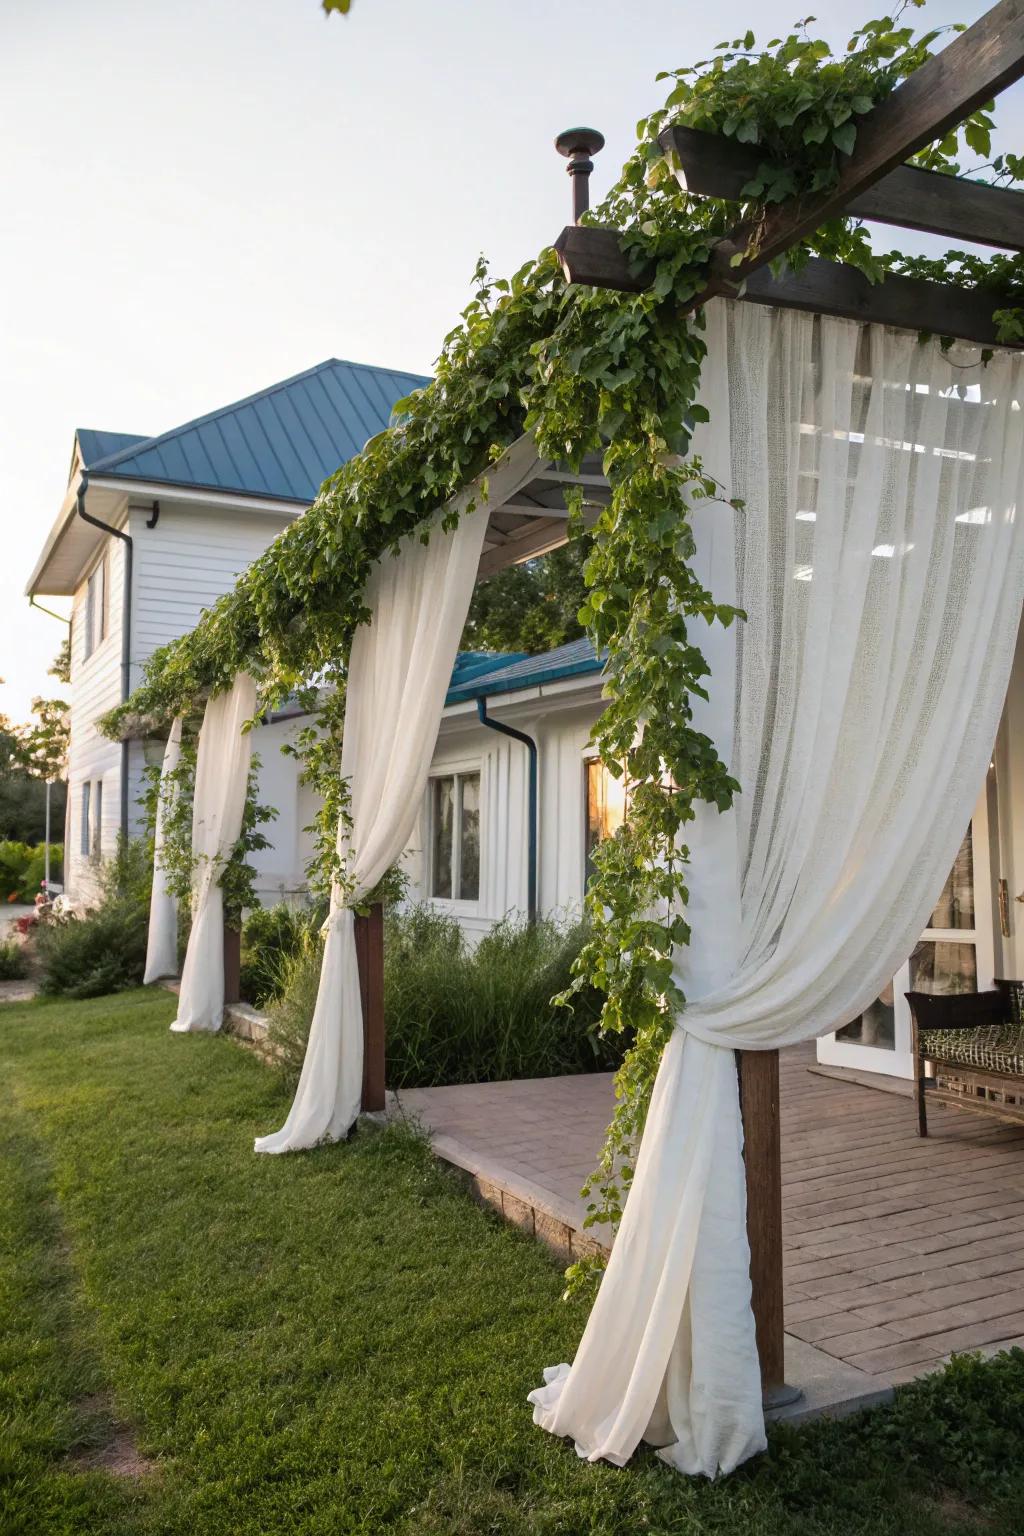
{"x": 880, "y": 561}
{"x": 162, "y": 940}
{"x": 399, "y": 670}
{"x": 222, "y": 775}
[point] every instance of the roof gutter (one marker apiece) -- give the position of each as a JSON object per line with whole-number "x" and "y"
{"x": 531, "y": 746}
{"x": 48, "y": 611}
{"x": 126, "y": 628}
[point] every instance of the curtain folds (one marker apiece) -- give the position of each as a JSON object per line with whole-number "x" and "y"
{"x": 880, "y": 560}
{"x": 399, "y": 671}
{"x": 162, "y": 940}
{"x": 222, "y": 774}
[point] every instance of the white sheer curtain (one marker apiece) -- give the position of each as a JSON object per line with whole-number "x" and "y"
{"x": 162, "y": 941}
{"x": 222, "y": 772}
{"x": 398, "y": 675}
{"x": 880, "y": 559}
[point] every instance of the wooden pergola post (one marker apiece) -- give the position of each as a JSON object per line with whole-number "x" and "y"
{"x": 762, "y": 1156}
{"x": 232, "y": 964}
{"x": 370, "y": 953}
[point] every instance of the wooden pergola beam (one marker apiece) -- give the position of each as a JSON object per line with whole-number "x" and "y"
{"x": 975, "y": 66}
{"x": 596, "y": 257}
{"x": 828, "y": 288}
{"x": 713, "y": 166}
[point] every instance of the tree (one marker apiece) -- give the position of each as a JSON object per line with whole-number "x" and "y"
{"x": 61, "y": 668}
{"x": 531, "y": 607}
{"x": 31, "y": 755}
{"x": 42, "y": 744}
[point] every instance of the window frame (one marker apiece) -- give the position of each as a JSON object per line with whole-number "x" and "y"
{"x": 96, "y": 609}
{"x": 897, "y": 1061}
{"x": 97, "y": 819}
{"x": 590, "y": 757}
{"x": 85, "y": 813}
{"x": 458, "y": 773}
{"x": 103, "y": 572}
{"x": 88, "y": 612}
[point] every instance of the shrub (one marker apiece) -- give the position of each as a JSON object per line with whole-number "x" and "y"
{"x": 13, "y": 961}
{"x": 271, "y": 936}
{"x": 104, "y": 951}
{"x": 22, "y": 869}
{"x": 458, "y": 1015}
{"x": 14, "y": 858}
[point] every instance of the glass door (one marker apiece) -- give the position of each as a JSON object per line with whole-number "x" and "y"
{"x": 954, "y": 954}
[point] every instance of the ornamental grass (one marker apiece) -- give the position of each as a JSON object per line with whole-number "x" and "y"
{"x": 458, "y": 1013}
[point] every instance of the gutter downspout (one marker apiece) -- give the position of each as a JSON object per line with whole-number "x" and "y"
{"x": 126, "y": 631}
{"x": 531, "y": 747}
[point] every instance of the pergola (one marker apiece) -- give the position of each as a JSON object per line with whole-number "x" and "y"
{"x": 526, "y": 494}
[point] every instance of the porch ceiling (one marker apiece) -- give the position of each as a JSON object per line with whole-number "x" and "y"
{"x": 528, "y": 513}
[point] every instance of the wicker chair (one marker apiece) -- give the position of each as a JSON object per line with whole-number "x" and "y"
{"x": 976, "y": 1042}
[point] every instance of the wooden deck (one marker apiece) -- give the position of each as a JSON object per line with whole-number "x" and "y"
{"x": 898, "y": 1251}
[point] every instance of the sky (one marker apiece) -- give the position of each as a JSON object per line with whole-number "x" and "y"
{"x": 201, "y": 197}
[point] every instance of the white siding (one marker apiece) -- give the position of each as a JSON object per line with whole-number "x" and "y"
{"x": 562, "y": 739}
{"x": 193, "y": 556}
{"x": 561, "y": 730}
{"x": 280, "y": 869}
{"x": 95, "y": 688}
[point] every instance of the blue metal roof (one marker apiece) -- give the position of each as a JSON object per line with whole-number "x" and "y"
{"x": 576, "y": 659}
{"x": 280, "y": 443}
{"x": 100, "y": 445}
{"x": 469, "y": 663}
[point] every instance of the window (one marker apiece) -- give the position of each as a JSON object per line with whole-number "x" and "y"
{"x": 605, "y": 807}
{"x": 944, "y": 960}
{"x": 85, "y": 828}
{"x": 96, "y": 615}
{"x": 455, "y": 836}
{"x": 97, "y": 819}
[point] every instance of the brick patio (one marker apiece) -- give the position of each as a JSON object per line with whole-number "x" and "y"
{"x": 898, "y": 1251}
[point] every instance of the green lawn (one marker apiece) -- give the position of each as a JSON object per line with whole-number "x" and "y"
{"x": 340, "y": 1341}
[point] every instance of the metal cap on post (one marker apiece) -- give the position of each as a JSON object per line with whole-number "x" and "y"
{"x": 577, "y": 145}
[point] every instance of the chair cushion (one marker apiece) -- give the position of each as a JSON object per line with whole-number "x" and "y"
{"x": 996, "y": 1048}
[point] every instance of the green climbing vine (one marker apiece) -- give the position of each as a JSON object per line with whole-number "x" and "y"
{"x": 177, "y": 789}
{"x": 589, "y": 370}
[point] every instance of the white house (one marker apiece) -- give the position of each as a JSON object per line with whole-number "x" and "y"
{"x": 470, "y": 853}
{"x": 151, "y": 531}
{"x": 475, "y": 838}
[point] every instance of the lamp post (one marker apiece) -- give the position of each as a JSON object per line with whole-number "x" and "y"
{"x": 46, "y": 845}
